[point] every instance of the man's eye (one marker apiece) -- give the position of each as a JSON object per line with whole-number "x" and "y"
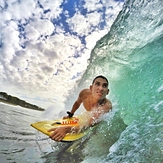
{"x": 97, "y": 83}
{"x": 105, "y": 85}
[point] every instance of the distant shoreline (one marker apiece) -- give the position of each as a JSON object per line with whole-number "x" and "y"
{"x": 11, "y": 100}
{"x": 5, "y": 102}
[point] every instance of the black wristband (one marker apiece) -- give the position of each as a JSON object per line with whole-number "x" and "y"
{"x": 70, "y": 114}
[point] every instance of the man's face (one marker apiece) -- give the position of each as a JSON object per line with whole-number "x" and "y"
{"x": 99, "y": 88}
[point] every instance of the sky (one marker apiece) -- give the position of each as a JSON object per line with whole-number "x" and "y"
{"x": 45, "y": 44}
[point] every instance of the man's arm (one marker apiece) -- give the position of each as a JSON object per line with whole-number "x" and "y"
{"x": 74, "y": 108}
{"x": 77, "y": 103}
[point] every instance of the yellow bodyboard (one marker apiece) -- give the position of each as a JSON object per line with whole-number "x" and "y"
{"x": 44, "y": 126}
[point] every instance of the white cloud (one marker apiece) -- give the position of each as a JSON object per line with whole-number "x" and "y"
{"x": 78, "y": 23}
{"x": 43, "y": 26}
{"x": 94, "y": 18}
{"x": 41, "y": 55}
{"x": 22, "y": 9}
{"x": 82, "y": 25}
{"x": 92, "y": 5}
{"x": 5, "y": 16}
{"x": 31, "y": 33}
{"x": 10, "y": 40}
{"x": 53, "y": 6}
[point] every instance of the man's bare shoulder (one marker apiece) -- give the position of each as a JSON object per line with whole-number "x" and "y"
{"x": 85, "y": 93}
{"x": 108, "y": 104}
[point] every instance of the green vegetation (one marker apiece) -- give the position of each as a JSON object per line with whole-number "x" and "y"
{"x": 4, "y": 97}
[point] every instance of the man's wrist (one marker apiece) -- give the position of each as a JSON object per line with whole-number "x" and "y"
{"x": 70, "y": 114}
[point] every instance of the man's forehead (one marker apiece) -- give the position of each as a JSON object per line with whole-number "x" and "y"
{"x": 101, "y": 80}
{"x": 102, "y": 77}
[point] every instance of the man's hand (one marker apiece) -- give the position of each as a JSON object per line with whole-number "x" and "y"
{"x": 66, "y": 117}
{"x": 59, "y": 133}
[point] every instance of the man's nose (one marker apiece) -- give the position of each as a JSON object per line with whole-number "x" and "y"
{"x": 101, "y": 87}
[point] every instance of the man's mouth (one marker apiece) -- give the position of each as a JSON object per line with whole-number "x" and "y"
{"x": 100, "y": 93}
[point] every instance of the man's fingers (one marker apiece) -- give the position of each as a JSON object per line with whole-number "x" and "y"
{"x": 52, "y": 129}
{"x": 58, "y": 133}
{"x": 56, "y": 136}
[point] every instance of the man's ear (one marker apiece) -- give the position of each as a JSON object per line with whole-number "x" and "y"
{"x": 90, "y": 87}
{"x": 108, "y": 91}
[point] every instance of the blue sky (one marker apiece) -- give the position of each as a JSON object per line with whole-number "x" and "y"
{"x": 45, "y": 44}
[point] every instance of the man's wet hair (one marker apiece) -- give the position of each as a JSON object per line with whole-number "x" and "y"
{"x": 100, "y": 76}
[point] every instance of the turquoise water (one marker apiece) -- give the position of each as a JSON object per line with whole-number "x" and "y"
{"x": 131, "y": 57}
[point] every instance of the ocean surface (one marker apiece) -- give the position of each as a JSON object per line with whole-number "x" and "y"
{"x": 131, "y": 57}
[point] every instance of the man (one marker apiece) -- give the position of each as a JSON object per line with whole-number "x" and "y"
{"x": 94, "y": 101}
